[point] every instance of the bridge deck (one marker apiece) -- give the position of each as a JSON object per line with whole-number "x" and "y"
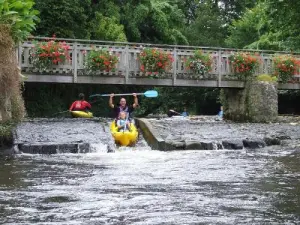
{"x": 128, "y": 68}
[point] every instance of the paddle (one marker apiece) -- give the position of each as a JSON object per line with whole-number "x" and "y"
{"x": 148, "y": 94}
{"x": 61, "y": 112}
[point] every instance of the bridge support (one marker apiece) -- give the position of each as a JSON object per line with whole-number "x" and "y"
{"x": 257, "y": 102}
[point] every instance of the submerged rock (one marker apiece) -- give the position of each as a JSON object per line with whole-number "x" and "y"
{"x": 233, "y": 144}
{"x": 254, "y": 143}
{"x": 272, "y": 141}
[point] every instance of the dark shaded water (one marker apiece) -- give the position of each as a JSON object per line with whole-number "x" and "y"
{"x": 151, "y": 187}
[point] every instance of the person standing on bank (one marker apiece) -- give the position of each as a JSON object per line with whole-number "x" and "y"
{"x": 123, "y": 107}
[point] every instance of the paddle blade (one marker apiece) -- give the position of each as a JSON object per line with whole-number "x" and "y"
{"x": 151, "y": 94}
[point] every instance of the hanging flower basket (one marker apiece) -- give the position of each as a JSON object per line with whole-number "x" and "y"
{"x": 199, "y": 63}
{"x": 285, "y": 66}
{"x": 101, "y": 60}
{"x": 49, "y": 53}
{"x": 243, "y": 65}
{"x": 155, "y": 62}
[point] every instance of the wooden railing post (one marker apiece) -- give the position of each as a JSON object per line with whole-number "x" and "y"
{"x": 219, "y": 68}
{"x": 74, "y": 62}
{"x": 126, "y": 61}
{"x": 174, "y": 66}
{"x": 19, "y": 51}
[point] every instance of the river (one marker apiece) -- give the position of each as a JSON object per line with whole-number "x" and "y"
{"x": 141, "y": 186}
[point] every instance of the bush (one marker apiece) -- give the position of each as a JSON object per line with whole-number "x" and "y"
{"x": 199, "y": 63}
{"x": 266, "y": 77}
{"x": 101, "y": 60}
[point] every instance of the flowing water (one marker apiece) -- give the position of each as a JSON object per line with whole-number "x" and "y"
{"x": 141, "y": 186}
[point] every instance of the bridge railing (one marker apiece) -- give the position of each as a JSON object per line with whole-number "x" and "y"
{"x": 129, "y": 63}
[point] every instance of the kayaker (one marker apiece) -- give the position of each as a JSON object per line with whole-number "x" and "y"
{"x": 172, "y": 112}
{"x": 123, "y": 107}
{"x": 185, "y": 113}
{"x": 81, "y": 104}
{"x": 122, "y": 121}
{"x": 220, "y": 114}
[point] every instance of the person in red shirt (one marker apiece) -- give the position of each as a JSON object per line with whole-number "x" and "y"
{"x": 80, "y": 105}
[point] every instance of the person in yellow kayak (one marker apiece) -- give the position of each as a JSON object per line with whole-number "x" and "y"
{"x": 123, "y": 107}
{"x": 122, "y": 123}
{"x": 81, "y": 104}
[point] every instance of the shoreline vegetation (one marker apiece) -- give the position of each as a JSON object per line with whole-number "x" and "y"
{"x": 6, "y": 136}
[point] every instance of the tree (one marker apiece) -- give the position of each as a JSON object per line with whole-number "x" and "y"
{"x": 17, "y": 20}
{"x": 284, "y": 22}
{"x": 19, "y": 16}
{"x": 64, "y": 18}
{"x": 208, "y": 28}
{"x": 153, "y": 21}
{"x": 107, "y": 28}
{"x": 250, "y": 30}
{"x": 271, "y": 24}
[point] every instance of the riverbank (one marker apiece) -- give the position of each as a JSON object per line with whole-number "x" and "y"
{"x": 6, "y": 138}
{"x": 205, "y": 133}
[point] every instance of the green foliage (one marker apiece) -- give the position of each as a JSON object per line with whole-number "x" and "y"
{"x": 271, "y": 24}
{"x": 155, "y": 60}
{"x": 155, "y": 21}
{"x": 197, "y": 101}
{"x": 49, "y": 53}
{"x": 285, "y": 66}
{"x": 246, "y": 31}
{"x": 243, "y": 65}
{"x": 6, "y": 129}
{"x": 266, "y": 77}
{"x": 101, "y": 60}
{"x": 64, "y": 18}
{"x": 107, "y": 28}
{"x": 20, "y": 16}
{"x": 208, "y": 28}
{"x": 199, "y": 63}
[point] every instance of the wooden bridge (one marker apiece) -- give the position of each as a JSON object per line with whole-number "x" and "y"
{"x": 128, "y": 68}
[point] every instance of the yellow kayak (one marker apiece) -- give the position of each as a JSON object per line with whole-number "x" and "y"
{"x": 126, "y": 138}
{"x": 81, "y": 114}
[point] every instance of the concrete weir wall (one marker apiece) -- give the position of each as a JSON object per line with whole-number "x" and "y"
{"x": 50, "y": 136}
{"x": 257, "y": 102}
{"x": 205, "y": 133}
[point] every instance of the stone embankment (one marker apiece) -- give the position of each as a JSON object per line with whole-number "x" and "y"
{"x": 204, "y": 133}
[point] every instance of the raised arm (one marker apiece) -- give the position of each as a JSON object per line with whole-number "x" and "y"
{"x": 110, "y": 101}
{"x": 135, "y": 101}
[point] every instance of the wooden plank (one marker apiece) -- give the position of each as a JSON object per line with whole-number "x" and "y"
{"x": 49, "y": 78}
{"x": 289, "y": 86}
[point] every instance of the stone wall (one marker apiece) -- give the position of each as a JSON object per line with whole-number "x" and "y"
{"x": 257, "y": 102}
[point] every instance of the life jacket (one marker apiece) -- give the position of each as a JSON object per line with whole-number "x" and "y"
{"x": 126, "y": 109}
{"x": 78, "y": 105}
